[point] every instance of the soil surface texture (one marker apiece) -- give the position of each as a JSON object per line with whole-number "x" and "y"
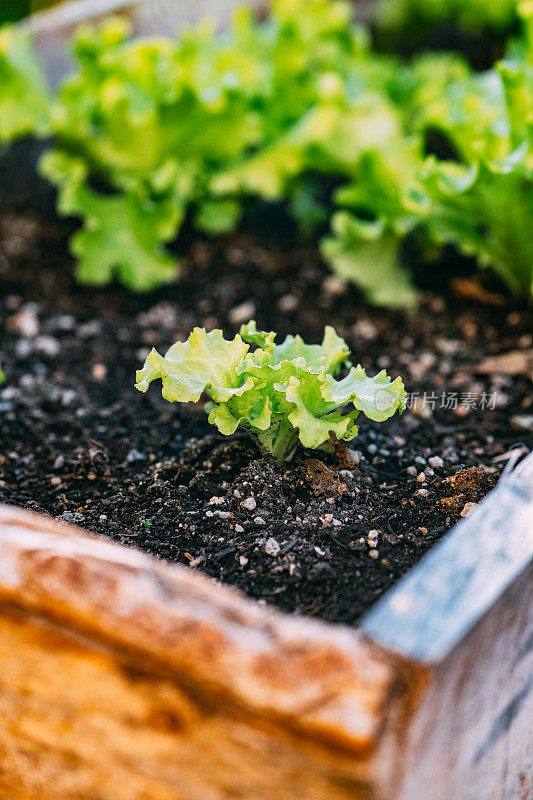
{"x": 322, "y": 535}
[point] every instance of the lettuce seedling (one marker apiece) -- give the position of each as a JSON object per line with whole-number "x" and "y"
{"x": 280, "y": 393}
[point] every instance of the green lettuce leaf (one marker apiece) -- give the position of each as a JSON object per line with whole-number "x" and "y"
{"x": 368, "y": 254}
{"x": 205, "y": 363}
{"x": 311, "y": 416}
{"x": 122, "y": 237}
{"x": 215, "y": 216}
{"x": 486, "y": 210}
{"x": 264, "y": 340}
{"x": 467, "y": 108}
{"x": 378, "y": 397}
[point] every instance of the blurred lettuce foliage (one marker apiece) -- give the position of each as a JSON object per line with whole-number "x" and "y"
{"x": 149, "y": 132}
{"x": 200, "y": 124}
{"x": 477, "y": 194}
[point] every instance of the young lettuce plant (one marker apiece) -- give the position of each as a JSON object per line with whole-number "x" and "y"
{"x": 280, "y": 393}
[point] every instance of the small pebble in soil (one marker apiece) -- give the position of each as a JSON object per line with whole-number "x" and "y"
{"x": 288, "y": 303}
{"x": 47, "y": 346}
{"x": 334, "y": 286}
{"x": 468, "y": 508}
{"x": 365, "y": 329}
{"x": 99, "y": 371}
{"x": 134, "y": 456}
{"x": 272, "y": 547}
{"x": 250, "y": 504}
{"x": 242, "y": 313}
{"x": 25, "y": 321}
{"x": 72, "y": 517}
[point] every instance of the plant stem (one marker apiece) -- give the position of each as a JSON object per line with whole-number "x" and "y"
{"x": 279, "y": 440}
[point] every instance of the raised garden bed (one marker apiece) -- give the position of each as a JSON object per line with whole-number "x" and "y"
{"x": 217, "y": 695}
{"x": 128, "y": 676}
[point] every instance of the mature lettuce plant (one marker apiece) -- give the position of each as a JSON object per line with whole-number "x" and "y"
{"x": 280, "y": 393}
{"x": 196, "y": 126}
{"x": 365, "y": 245}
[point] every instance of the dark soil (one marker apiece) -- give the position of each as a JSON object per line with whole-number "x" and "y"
{"x": 322, "y": 536}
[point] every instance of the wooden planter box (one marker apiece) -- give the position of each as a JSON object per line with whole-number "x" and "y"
{"x": 123, "y": 678}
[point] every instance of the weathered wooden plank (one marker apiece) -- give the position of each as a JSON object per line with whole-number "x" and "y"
{"x": 82, "y": 720}
{"x": 472, "y": 736}
{"x": 428, "y": 613}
